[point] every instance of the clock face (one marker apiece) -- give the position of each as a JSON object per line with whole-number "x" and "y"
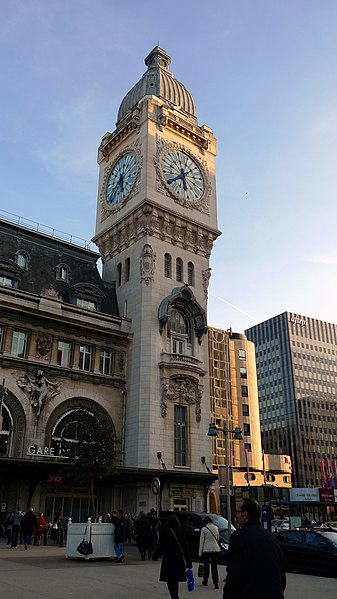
{"x": 122, "y": 178}
{"x": 182, "y": 175}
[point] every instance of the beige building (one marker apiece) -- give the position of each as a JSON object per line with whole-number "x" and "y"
{"x": 234, "y": 403}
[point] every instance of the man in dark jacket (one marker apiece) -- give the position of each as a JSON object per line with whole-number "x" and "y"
{"x": 255, "y": 567}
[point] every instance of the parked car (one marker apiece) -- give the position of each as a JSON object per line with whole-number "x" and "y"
{"x": 191, "y": 523}
{"x": 311, "y": 551}
{"x": 332, "y": 525}
{"x": 281, "y": 524}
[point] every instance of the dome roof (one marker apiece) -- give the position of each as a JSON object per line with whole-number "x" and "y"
{"x": 158, "y": 81}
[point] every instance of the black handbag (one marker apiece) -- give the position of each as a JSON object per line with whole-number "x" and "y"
{"x": 85, "y": 547}
{"x": 201, "y": 570}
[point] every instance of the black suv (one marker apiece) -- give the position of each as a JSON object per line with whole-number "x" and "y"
{"x": 191, "y": 523}
{"x": 311, "y": 551}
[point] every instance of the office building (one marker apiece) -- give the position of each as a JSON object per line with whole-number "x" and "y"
{"x": 296, "y": 361}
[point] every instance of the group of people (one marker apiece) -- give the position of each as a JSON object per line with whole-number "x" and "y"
{"x": 25, "y": 527}
{"x": 255, "y": 568}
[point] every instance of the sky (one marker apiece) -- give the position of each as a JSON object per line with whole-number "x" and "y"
{"x": 263, "y": 75}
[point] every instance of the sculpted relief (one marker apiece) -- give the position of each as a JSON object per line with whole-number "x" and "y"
{"x": 183, "y": 390}
{"x": 38, "y": 390}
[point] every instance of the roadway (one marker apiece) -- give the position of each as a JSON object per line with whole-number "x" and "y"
{"x": 44, "y": 573}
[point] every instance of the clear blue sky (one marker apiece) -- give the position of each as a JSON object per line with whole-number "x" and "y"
{"x": 263, "y": 74}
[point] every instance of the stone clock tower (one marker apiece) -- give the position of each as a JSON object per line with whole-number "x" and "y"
{"x": 155, "y": 228}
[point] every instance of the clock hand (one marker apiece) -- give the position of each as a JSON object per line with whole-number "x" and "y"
{"x": 181, "y": 176}
{"x": 121, "y": 183}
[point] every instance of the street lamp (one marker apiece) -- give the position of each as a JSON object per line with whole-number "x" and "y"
{"x": 213, "y": 430}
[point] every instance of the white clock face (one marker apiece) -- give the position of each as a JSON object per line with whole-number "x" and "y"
{"x": 182, "y": 175}
{"x": 122, "y": 178}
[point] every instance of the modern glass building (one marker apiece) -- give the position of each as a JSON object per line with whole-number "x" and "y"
{"x": 296, "y": 361}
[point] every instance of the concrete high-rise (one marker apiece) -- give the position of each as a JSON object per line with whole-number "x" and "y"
{"x": 296, "y": 361}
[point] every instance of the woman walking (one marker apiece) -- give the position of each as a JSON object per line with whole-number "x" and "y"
{"x": 209, "y": 550}
{"x": 176, "y": 557}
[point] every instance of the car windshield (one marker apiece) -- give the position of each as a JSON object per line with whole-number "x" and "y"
{"x": 331, "y": 536}
{"x": 220, "y": 522}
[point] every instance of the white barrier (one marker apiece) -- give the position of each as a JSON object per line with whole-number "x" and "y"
{"x": 102, "y": 539}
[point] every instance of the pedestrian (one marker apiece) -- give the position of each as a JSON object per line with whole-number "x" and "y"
{"x": 155, "y": 524}
{"x": 56, "y": 528}
{"x": 255, "y": 567}
{"x": 209, "y": 550}
{"x": 9, "y": 527}
{"x": 143, "y": 534}
{"x": 120, "y": 534}
{"x": 176, "y": 557}
{"x": 28, "y": 526}
{"x": 41, "y": 530}
{"x": 16, "y": 526}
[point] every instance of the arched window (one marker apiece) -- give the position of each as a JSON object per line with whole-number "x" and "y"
{"x": 127, "y": 270}
{"x": 168, "y": 266}
{"x": 5, "y": 432}
{"x": 179, "y": 331}
{"x": 190, "y": 274}
{"x": 119, "y": 274}
{"x": 62, "y": 273}
{"x": 22, "y": 259}
{"x": 78, "y": 425}
{"x": 179, "y": 270}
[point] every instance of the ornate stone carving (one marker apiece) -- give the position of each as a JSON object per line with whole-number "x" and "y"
{"x": 189, "y": 130}
{"x": 154, "y": 221}
{"x": 50, "y": 291}
{"x": 110, "y": 141}
{"x": 147, "y": 263}
{"x": 206, "y": 275}
{"x": 38, "y": 390}
{"x": 43, "y": 344}
{"x": 181, "y": 389}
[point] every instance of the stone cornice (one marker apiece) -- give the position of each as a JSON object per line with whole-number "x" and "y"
{"x": 174, "y": 121}
{"x": 111, "y": 141}
{"x": 149, "y": 220}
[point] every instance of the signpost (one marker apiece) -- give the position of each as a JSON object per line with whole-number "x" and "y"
{"x": 155, "y": 486}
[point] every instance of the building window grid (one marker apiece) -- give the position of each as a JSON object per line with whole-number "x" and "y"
{"x": 64, "y": 353}
{"x": 86, "y": 355}
{"x": 19, "y": 344}
{"x": 105, "y": 363}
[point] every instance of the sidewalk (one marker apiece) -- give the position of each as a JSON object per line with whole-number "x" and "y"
{"x": 45, "y": 573}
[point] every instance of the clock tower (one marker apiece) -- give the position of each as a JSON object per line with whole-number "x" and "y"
{"x": 155, "y": 228}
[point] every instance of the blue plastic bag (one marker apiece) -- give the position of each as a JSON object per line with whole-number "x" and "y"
{"x": 190, "y": 579}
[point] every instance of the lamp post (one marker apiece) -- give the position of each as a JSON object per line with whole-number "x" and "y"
{"x": 213, "y": 430}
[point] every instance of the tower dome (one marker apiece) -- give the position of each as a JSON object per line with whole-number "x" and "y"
{"x": 158, "y": 81}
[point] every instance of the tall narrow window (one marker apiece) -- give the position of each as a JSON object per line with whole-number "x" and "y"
{"x": 244, "y": 390}
{"x": 242, "y": 354}
{"x": 179, "y": 270}
{"x": 119, "y": 274}
{"x": 190, "y": 274}
{"x": 86, "y": 353}
{"x": 2, "y": 334}
{"x": 127, "y": 270}
{"x": 64, "y": 353}
{"x": 180, "y": 435}
{"x": 19, "y": 344}
{"x": 21, "y": 259}
{"x": 105, "y": 362}
{"x": 64, "y": 274}
{"x": 179, "y": 330}
{"x": 168, "y": 266}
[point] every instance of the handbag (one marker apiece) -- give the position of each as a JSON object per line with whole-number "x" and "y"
{"x": 85, "y": 547}
{"x": 201, "y": 570}
{"x": 190, "y": 579}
